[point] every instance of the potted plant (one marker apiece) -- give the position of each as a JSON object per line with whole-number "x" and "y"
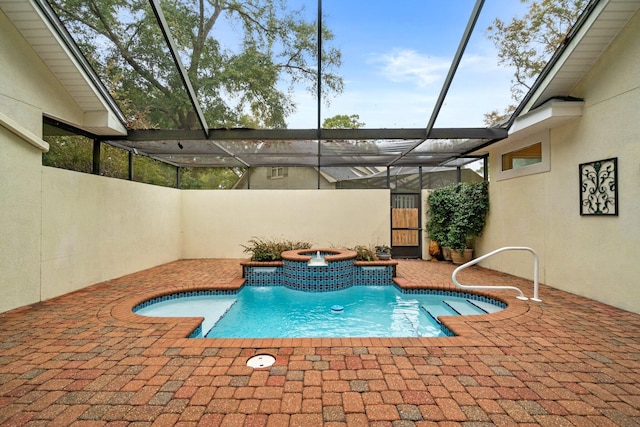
{"x": 383, "y": 252}
{"x": 457, "y": 216}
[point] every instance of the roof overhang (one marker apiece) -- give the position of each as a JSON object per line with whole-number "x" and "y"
{"x": 548, "y": 116}
{"x": 39, "y": 25}
{"x": 587, "y": 40}
{"x": 551, "y": 114}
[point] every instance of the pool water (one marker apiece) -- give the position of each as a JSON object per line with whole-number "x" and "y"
{"x": 368, "y": 311}
{"x": 358, "y": 311}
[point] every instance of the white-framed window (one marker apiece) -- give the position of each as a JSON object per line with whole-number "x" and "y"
{"x": 277, "y": 172}
{"x": 527, "y": 156}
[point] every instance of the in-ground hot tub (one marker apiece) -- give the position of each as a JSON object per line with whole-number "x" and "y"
{"x": 302, "y": 272}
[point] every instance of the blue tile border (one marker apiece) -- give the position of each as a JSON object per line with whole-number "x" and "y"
{"x": 335, "y": 276}
{"x": 197, "y": 332}
{"x": 182, "y": 294}
{"x": 264, "y": 276}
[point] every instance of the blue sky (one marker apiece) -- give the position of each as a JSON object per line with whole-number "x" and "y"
{"x": 396, "y": 55}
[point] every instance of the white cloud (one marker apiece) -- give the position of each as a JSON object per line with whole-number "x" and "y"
{"x": 406, "y": 65}
{"x": 403, "y": 92}
{"x": 478, "y": 63}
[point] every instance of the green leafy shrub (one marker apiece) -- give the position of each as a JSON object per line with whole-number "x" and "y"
{"x": 441, "y": 207}
{"x": 270, "y": 249}
{"x": 457, "y": 213}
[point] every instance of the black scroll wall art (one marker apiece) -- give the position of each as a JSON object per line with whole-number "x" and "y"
{"x": 599, "y": 187}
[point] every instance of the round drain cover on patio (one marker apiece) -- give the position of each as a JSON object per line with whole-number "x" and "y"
{"x": 261, "y": 361}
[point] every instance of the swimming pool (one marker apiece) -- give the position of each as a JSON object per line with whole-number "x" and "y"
{"x": 358, "y": 311}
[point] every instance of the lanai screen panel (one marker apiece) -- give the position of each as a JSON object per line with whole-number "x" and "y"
{"x": 363, "y": 152}
{"x": 323, "y": 153}
{"x": 377, "y": 65}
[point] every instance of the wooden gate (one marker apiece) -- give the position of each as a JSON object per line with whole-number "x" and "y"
{"x": 405, "y": 225}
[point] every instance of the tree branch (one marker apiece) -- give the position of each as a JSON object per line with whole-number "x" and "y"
{"x": 204, "y": 28}
{"x": 126, "y": 54}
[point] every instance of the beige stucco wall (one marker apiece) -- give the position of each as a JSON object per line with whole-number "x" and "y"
{"x": 62, "y": 230}
{"x": 591, "y": 256}
{"x": 96, "y": 228}
{"x": 27, "y": 89}
{"x": 217, "y": 223}
{"x": 20, "y": 213}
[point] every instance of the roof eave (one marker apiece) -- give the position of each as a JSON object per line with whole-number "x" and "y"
{"x": 548, "y": 116}
{"x": 106, "y": 120}
{"x": 541, "y": 90}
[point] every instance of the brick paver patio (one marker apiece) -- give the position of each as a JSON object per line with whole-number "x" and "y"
{"x": 84, "y": 359}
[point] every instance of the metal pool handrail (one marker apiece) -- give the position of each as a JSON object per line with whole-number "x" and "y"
{"x": 507, "y": 248}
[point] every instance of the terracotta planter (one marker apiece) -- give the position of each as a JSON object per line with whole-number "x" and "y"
{"x": 446, "y": 253}
{"x": 456, "y": 258}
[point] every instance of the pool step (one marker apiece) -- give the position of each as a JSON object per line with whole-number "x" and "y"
{"x": 436, "y": 311}
{"x": 461, "y": 308}
{"x": 464, "y": 308}
{"x": 485, "y": 306}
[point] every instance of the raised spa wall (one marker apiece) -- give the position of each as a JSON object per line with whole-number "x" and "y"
{"x": 340, "y": 272}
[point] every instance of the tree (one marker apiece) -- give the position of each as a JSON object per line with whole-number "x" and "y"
{"x": 75, "y": 152}
{"x": 209, "y": 178}
{"x": 234, "y": 79}
{"x": 69, "y": 152}
{"x": 342, "y": 121}
{"x": 528, "y": 42}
